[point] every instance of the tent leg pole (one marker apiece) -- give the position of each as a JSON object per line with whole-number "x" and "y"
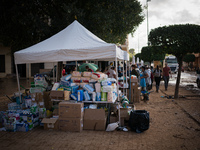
{"x": 123, "y": 77}
{"x": 100, "y": 67}
{"x": 57, "y": 72}
{"x": 53, "y": 73}
{"x": 129, "y": 85}
{"x": 76, "y": 65}
{"x": 18, "y": 82}
{"x": 118, "y": 92}
{"x": 126, "y": 76}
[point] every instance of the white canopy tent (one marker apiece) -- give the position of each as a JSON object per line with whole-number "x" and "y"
{"x": 74, "y": 43}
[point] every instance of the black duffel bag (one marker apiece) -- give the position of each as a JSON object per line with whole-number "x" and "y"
{"x": 139, "y": 120}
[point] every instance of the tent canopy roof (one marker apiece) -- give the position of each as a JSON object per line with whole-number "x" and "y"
{"x": 73, "y": 43}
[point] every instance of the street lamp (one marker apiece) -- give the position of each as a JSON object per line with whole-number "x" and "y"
{"x": 147, "y": 23}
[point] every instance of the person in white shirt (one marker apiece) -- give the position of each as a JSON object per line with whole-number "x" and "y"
{"x": 148, "y": 79}
{"x": 111, "y": 73}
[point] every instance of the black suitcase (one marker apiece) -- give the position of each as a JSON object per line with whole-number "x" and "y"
{"x": 139, "y": 120}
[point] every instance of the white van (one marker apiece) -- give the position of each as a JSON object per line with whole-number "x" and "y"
{"x": 172, "y": 63}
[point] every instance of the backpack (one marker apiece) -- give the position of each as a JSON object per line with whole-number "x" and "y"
{"x": 157, "y": 73}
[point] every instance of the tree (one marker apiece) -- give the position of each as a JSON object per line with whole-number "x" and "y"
{"x": 138, "y": 55}
{"x": 177, "y": 40}
{"x": 131, "y": 54}
{"x": 189, "y": 58}
{"x": 149, "y": 54}
{"x": 132, "y": 51}
{"x": 27, "y": 22}
{"x": 146, "y": 54}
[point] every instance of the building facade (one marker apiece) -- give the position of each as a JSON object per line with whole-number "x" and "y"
{"x": 5, "y": 61}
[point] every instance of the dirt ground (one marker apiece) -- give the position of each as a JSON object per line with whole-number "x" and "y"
{"x": 174, "y": 124}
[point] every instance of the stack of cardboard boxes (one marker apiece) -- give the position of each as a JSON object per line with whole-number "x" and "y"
{"x": 42, "y": 99}
{"x": 71, "y": 116}
{"x": 94, "y": 119}
{"x": 135, "y": 91}
{"x": 125, "y": 113}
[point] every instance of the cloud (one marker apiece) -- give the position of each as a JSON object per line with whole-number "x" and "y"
{"x": 183, "y": 16}
{"x": 166, "y": 12}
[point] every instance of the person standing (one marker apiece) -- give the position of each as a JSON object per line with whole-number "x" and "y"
{"x": 166, "y": 71}
{"x": 88, "y": 69}
{"x": 143, "y": 76}
{"x": 157, "y": 74}
{"x": 134, "y": 72}
{"x": 148, "y": 79}
{"x": 63, "y": 71}
{"x": 112, "y": 72}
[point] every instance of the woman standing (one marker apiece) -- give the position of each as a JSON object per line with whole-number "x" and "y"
{"x": 157, "y": 74}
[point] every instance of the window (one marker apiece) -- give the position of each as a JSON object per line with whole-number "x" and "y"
{"x": 2, "y": 64}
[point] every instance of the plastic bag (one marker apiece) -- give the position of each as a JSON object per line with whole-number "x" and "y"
{"x": 98, "y": 96}
{"x": 110, "y": 97}
{"x": 76, "y": 74}
{"x": 112, "y": 126}
{"x": 92, "y": 106}
{"x": 86, "y": 96}
{"x": 75, "y": 88}
{"x": 73, "y": 96}
{"x": 139, "y": 120}
{"x": 88, "y": 88}
{"x": 66, "y": 77}
{"x": 105, "y": 83}
{"x": 106, "y": 89}
{"x": 93, "y": 96}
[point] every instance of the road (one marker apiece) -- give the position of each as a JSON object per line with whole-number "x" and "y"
{"x": 174, "y": 124}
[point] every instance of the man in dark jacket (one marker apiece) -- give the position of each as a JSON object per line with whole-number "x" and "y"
{"x": 134, "y": 72}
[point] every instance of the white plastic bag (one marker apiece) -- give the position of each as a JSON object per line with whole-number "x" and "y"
{"x": 112, "y": 126}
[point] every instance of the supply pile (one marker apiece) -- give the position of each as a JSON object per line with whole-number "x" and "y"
{"x": 85, "y": 86}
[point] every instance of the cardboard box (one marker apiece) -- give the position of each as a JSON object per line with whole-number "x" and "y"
{"x": 134, "y": 80}
{"x": 113, "y": 119}
{"x": 124, "y": 113}
{"x": 70, "y": 110}
{"x": 50, "y": 123}
{"x": 57, "y": 95}
{"x": 135, "y": 90}
{"x": 37, "y": 97}
{"x": 55, "y": 112}
{"x": 47, "y": 99}
{"x": 71, "y": 124}
{"x": 94, "y": 119}
{"x": 136, "y": 96}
